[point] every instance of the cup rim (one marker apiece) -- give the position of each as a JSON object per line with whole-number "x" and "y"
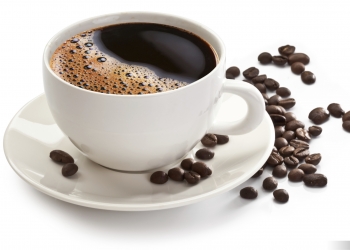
{"x": 208, "y": 30}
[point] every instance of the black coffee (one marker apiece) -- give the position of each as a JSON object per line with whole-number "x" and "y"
{"x": 133, "y": 58}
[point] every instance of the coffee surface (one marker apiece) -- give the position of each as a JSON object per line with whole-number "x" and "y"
{"x": 133, "y": 58}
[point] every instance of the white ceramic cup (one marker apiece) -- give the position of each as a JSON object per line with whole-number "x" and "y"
{"x": 143, "y": 132}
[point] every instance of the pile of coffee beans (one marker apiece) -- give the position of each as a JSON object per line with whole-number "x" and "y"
{"x": 69, "y": 168}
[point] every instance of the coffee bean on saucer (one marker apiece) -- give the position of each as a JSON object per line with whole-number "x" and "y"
{"x": 289, "y": 135}
{"x": 159, "y": 177}
{"x": 302, "y": 134}
{"x": 259, "y": 79}
{"x": 274, "y": 109}
{"x": 258, "y": 173}
{"x": 186, "y": 164}
{"x": 335, "y": 110}
{"x": 274, "y": 100}
{"x": 301, "y": 153}
{"x": 222, "y": 139}
{"x": 209, "y": 140}
{"x": 346, "y": 126}
{"x": 61, "y": 156}
{"x": 265, "y": 58}
{"x": 296, "y": 175}
{"x": 286, "y": 50}
{"x": 281, "y": 195}
{"x": 279, "y": 130}
{"x": 308, "y": 168}
{"x": 192, "y": 177}
{"x": 286, "y": 151}
{"x": 270, "y": 183}
{"x": 205, "y": 154}
{"x": 176, "y": 174}
{"x": 313, "y": 159}
{"x": 278, "y": 120}
{"x": 271, "y": 84}
{"x": 69, "y": 169}
{"x": 290, "y": 116}
{"x": 248, "y": 193}
{"x": 346, "y": 116}
{"x": 299, "y": 144}
{"x": 202, "y": 169}
{"x": 280, "y": 171}
{"x": 298, "y": 57}
{"x": 294, "y": 125}
{"x": 308, "y": 77}
{"x": 283, "y": 92}
{"x": 280, "y": 60}
{"x": 315, "y": 180}
{"x": 298, "y": 68}
{"x": 315, "y": 130}
{"x": 261, "y": 87}
{"x": 232, "y": 72}
{"x": 291, "y": 161}
{"x": 274, "y": 159}
{"x": 280, "y": 142}
{"x": 318, "y": 115}
{"x": 287, "y": 103}
{"x": 251, "y": 72}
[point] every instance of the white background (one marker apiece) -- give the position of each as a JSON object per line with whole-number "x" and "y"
{"x": 32, "y": 220}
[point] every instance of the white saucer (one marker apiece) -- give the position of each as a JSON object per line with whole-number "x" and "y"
{"x": 33, "y": 133}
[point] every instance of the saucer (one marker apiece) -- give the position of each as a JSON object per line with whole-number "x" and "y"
{"x": 33, "y": 133}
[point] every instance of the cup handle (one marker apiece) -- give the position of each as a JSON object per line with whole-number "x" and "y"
{"x": 254, "y": 116}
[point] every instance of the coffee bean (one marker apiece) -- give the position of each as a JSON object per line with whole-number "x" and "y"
{"x": 294, "y": 125}
{"x": 248, "y": 193}
{"x": 271, "y": 84}
{"x": 318, "y": 115}
{"x": 202, "y": 169}
{"x": 205, "y": 154}
{"x": 274, "y": 109}
{"x": 308, "y": 168}
{"x": 159, "y": 177}
{"x": 291, "y": 161}
{"x": 232, "y": 72}
{"x": 192, "y": 177}
{"x": 299, "y": 144}
{"x": 298, "y": 68}
{"x": 187, "y": 164}
{"x": 280, "y": 60}
{"x": 315, "y": 130}
{"x": 281, "y": 195}
{"x": 296, "y": 175}
{"x": 69, "y": 169}
{"x": 274, "y": 159}
{"x": 261, "y": 87}
{"x": 289, "y": 135}
{"x": 335, "y": 110}
{"x": 298, "y": 57}
{"x": 274, "y": 100}
{"x": 315, "y": 180}
{"x": 209, "y": 140}
{"x": 265, "y": 58}
{"x": 346, "y": 116}
{"x": 251, "y": 72}
{"x": 286, "y": 151}
{"x": 259, "y": 79}
{"x": 308, "y": 77}
{"x": 302, "y": 134}
{"x": 280, "y": 171}
{"x": 270, "y": 183}
{"x": 286, "y": 50}
{"x": 279, "y": 130}
{"x": 280, "y": 142}
{"x": 61, "y": 156}
{"x": 257, "y": 174}
{"x": 301, "y": 153}
{"x": 222, "y": 139}
{"x": 278, "y": 120}
{"x": 176, "y": 174}
{"x": 313, "y": 159}
{"x": 287, "y": 103}
{"x": 346, "y": 126}
{"x": 283, "y": 92}
{"x": 290, "y": 116}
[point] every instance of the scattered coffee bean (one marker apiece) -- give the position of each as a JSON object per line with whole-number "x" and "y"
{"x": 299, "y": 144}
{"x": 261, "y": 87}
{"x": 286, "y": 50}
{"x": 251, "y": 72}
{"x": 69, "y": 169}
{"x": 319, "y": 115}
{"x": 280, "y": 171}
{"x": 222, "y": 139}
{"x": 298, "y": 68}
{"x": 192, "y": 177}
{"x": 280, "y": 142}
{"x": 286, "y": 151}
{"x": 308, "y": 77}
{"x": 274, "y": 159}
{"x": 291, "y": 161}
{"x": 301, "y": 153}
{"x": 209, "y": 140}
{"x": 308, "y": 168}
{"x": 176, "y": 174}
{"x": 315, "y": 180}
{"x": 186, "y": 164}
{"x": 346, "y": 116}
{"x": 278, "y": 120}
{"x": 287, "y": 103}
{"x": 298, "y": 57}
{"x": 232, "y": 72}
{"x": 257, "y": 174}
{"x": 289, "y": 135}
{"x": 313, "y": 159}
{"x": 280, "y": 60}
{"x": 274, "y": 109}
{"x": 281, "y": 195}
{"x": 205, "y": 154}
{"x": 259, "y": 79}
{"x": 61, "y": 156}
{"x": 271, "y": 84}
{"x": 159, "y": 177}
{"x": 346, "y": 126}
{"x": 202, "y": 169}
{"x": 296, "y": 175}
{"x": 335, "y": 110}
{"x": 265, "y": 58}
{"x": 315, "y": 130}
{"x": 302, "y": 134}
{"x": 249, "y": 193}
{"x": 279, "y": 130}
{"x": 270, "y": 183}
{"x": 283, "y": 92}
{"x": 294, "y": 125}
{"x": 274, "y": 100}
{"x": 290, "y": 116}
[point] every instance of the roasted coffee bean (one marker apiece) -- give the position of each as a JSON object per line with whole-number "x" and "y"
{"x": 294, "y": 125}
{"x": 274, "y": 159}
{"x": 159, "y": 177}
{"x": 279, "y": 130}
{"x": 61, "y": 156}
{"x": 248, "y": 193}
{"x": 222, "y": 139}
{"x": 301, "y": 153}
{"x": 287, "y": 103}
{"x": 232, "y": 72}
{"x": 346, "y": 126}
{"x": 315, "y": 130}
{"x": 281, "y": 195}
{"x": 176, "y": 174}
{"x": 346, "y": 117}
{"x": 265, "y": 58}
{"x": 271, "y": 84}
{"x": 274, "y": 100}
{"x": 187, "y": 164}
{"x": 290, "y": 116}
{"x": 318, "y": 115}
{"x": 289, "y": 135}
{"x": 280, "y": 60}
{"x": 274, "y": 109}
{"x": 315, "y": 180}
{"x": 298, "y": 57}
{"x": 205, "y": 154}
{"x": 313, "y": 159}
{"x": 192, "y": 177}
{"x": 296, "y": 175}
{"x": 202, "y": 169}
{"x": 286, "y": 151}
{"x": 209, "y": 140}
{"x": 270, "y": 183}
{"x": 280, "y": 142}
{"x": 261, "y": 87}
{"x": 335, "y": 110}
{"x": 69, "y": 169}
{"x": 251, "y": 72}
{"x": 308, "y": 168}
{"x": 283, "y": 92}
{"x": 259, "y": 79}
{"x": 308, "y": 77}
{"x": 299, "y": 144}
{"x": 278, "y": 120}
{"x": 286, "y": 50}
{"x": 280, "y": 171}
{"x": 257, "y": 174}
{"x": 291, "y": 161}
{"x": 298, "y": 68}
{"x": 302, "y": 134}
